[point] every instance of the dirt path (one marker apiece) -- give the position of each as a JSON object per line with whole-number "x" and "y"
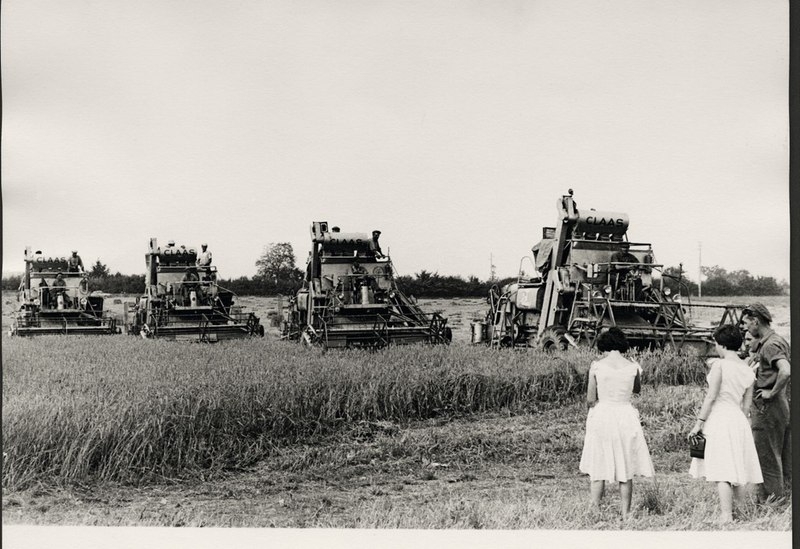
{"x": 260, "y": 498}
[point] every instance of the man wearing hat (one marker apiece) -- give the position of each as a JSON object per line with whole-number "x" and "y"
{"x": 204, "y": 258}
{"x": 375, "y": 246}
{"x": 75, "y": 263}
{"x": 770, "y": 413}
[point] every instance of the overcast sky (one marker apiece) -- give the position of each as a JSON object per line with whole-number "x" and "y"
{"x": 451, "y": 126}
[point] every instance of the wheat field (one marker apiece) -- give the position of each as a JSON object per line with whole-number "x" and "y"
{"x": 260, "y": 416}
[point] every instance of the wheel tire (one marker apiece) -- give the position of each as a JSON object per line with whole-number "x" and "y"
{"x": 506, "y": 341}
{"x": 448, "y": 334}
{"x": 553, "y": 340}
{"x": 307, "y": 340}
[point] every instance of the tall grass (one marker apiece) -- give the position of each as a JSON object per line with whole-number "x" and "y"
{"x": 120, "y": 409}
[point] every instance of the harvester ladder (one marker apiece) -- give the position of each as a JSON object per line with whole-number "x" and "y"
{"x": 498, "y": 327}
{"x": 381, "y": 328}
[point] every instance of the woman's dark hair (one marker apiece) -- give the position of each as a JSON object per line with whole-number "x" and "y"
{"x": 612, "y": 340}
{"x": 729, "y": 336}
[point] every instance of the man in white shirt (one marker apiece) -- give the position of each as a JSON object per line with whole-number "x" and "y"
{"x": 204, "y": 258}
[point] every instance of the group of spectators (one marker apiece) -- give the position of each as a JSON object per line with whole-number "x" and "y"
{"x": 744, "y": 417}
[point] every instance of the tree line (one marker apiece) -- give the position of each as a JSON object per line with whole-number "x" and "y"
{"x": 277, "y": 273}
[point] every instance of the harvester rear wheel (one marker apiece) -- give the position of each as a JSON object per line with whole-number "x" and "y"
{"x": 553, "y": 339}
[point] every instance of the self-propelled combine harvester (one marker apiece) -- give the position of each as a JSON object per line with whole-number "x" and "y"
{"x": 182, "y": 301}
{"x": 592, "y": 278}
{"x": 56, "y": 300}
{"x": 349, "y": 298}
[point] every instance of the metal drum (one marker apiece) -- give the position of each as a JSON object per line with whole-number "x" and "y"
{"x": 479, "y": 332}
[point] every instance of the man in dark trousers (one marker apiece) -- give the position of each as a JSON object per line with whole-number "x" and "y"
{"x": 59, "y": 288}
{"x": 75, "y": 263}
{"x": 375, "y": 246}
{"x": 770, "y": 413}
{"x": 44, "y": 293}
{"x": 620, "y": 273}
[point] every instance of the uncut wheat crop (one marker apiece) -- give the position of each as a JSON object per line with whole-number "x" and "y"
{"x": 121, "y": 409}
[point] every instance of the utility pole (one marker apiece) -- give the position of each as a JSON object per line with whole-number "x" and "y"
{"x": 699, "y": 269}
{"x": 492, "y": 271}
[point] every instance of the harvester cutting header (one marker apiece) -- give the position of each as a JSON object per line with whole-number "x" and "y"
{"x": 349, "y": 297}
{"x": 591, "y": 278}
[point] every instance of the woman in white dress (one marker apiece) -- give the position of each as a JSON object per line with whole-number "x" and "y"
{"x": 614, "y": 448}
{"x": 730, "y": 454}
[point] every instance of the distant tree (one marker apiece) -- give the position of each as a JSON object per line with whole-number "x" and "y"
{"x": 119, "y": 283}
{"x": 675, "y": 279}
{"x": 427, "y": 284}
{"x": 11, "y": 283}
{"x": 767, "y": 285}
{"x": 714, "y": 271}
{"x": 276, "y": 268}
{"x": 721, "y": 282}
{"x": 99, "y": 270}
{"x": 424, "y": 282}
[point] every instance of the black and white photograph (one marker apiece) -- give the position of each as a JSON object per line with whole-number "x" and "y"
{"x": 396, "y": 272}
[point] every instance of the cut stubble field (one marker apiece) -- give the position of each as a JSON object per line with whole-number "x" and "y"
{"x": 120, "y": 431}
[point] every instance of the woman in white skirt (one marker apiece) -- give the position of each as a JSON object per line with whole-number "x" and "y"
{"x": 614, "y": 448}
{"x": 730, "y": 454}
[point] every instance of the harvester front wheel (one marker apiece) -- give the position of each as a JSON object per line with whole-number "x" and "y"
{"x": 447, "y": 334}
{"x": 309, "y": 339}
{"x": 553, "y": 339}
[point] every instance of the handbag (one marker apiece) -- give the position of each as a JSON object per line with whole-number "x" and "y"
{"x": 697, "y": 446}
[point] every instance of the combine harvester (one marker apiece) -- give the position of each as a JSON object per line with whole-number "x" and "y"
{"x": 182, "y": 301}
{"x": 592, "y": 278}
{"x": 56, "y": 300}
{"x": 349, "y": 298}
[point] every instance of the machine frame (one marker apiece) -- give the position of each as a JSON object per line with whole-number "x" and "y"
{"x": 583, "y": 290}
{"x": 49, "y": 309}
{"x": 182, "y": 301}
{"x": 350, "y": 299}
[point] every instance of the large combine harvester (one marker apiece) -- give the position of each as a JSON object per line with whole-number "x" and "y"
{"x": 350, "y": 299}
{"x": 182, "y": 301}
{"x": 591, "y": 278}
{"x": 56, "y": 300}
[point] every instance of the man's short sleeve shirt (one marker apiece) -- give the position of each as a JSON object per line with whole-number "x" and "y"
{"x": 769, "y": 349}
